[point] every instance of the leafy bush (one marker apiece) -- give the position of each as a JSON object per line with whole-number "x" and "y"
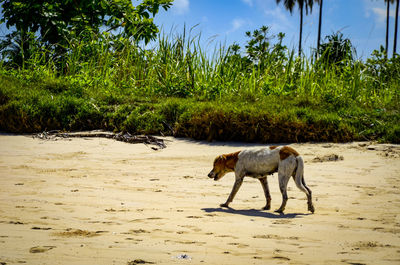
{"x": 337, "y": 50}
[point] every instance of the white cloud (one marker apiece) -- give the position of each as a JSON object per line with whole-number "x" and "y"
{"x": 248, "y": 2}
{"x": 180, "y": 7}
{"x": 380, "y": 14}
{"x": 377, "y": 10}
{"x": 276, "y": 13}
{"x": 237, "y": 23}
{"x": 278, "y": 19}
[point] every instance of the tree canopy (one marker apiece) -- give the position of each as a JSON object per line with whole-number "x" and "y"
{"x": 55, "y": 20}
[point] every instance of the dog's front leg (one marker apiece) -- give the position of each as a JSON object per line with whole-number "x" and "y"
{"x": 236, "y": 186}
{"x": 264, "y": 184}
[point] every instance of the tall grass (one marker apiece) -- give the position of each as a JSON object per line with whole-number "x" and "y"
{"x": 178, "y": 65}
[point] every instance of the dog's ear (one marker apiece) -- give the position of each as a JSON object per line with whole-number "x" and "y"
{"x": 218, "y": 158}
{"x": 231, "y": 160}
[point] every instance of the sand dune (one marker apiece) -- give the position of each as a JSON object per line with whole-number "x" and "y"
{"x": 99, "y": 201}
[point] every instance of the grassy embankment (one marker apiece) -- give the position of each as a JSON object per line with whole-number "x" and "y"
{"x": 176, "y": 88}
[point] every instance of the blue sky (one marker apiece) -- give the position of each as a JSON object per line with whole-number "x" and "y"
{"x": 226, "y": 21}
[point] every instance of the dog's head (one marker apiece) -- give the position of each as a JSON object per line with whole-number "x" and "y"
{"x": 223, "y": 164}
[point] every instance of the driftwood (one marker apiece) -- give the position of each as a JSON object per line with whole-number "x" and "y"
{"x": 123, "y": 137}
{"x": 327, "y": 158}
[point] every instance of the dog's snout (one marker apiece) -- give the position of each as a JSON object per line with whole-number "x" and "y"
{"x": 211, "y": 174}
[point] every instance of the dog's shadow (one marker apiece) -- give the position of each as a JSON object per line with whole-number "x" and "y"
{"x": 255, "y": 213}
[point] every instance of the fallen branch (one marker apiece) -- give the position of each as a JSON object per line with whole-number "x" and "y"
{"x": 123, "y": 137}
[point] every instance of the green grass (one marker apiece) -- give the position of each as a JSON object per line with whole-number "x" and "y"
{"x": 177, "y": 88}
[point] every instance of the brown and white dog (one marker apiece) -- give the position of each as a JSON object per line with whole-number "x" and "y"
{"x": 258, "y": 163}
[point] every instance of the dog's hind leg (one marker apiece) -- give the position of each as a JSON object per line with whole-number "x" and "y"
{"x": 236, "y": 186}
{"x": 283, "y": 181}
{"x": 264, "y": 184}
{"x": 309, "y": 197}
{"x": 285, "y": 170}
{"x": 301, "y": 184}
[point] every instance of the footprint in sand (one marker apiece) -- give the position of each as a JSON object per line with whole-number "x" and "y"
{"x": 139, "y": 261}
{"x": 277, "y": 237}
{"x": 279, "y": 222}
{"x": 194, "y": 217}
{"x": 40, "y": 249}
{"x": 281, "y": 258}
{"x": 41, "y": 228}
{"x": 227, "y": 236}
{"x": 138, "y": 231}
{"x": 16, "y": 223}
{"x": 197, "y": 243}
{"x": 369, "y": 245}
{"x": 211, "y": 214}
{"x": 191, "y": 227}
{"x": 134, "y": 240}
{"x": 145, "y": 219}
{"x": 352, "y": 262}
{"x": 78, "y": 233}
{"x": 239, "y": 245}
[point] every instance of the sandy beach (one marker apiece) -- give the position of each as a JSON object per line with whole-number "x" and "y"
{"x": 100, "y": 201}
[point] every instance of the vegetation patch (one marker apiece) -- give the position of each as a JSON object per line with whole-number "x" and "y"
{"x": 92, "y": 79}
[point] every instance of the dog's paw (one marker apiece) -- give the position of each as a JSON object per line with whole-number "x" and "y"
{"x": 267, "y": 207}
{"x": 279, "y": 211}
{"x": 225, "y": 205}
{"x": 311, "y": 208}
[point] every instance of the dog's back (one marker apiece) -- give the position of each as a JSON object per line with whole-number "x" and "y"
{"x": 258, "y": 162}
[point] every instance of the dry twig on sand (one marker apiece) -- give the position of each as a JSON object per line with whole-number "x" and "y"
{"x": 123, "y": 137}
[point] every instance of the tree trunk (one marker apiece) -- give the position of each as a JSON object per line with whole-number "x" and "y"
{"x": 395, "y": 28}
{"x": 301, "y": 27}
{"x": 387, "y": 28}
{"x": 319, "y": 26}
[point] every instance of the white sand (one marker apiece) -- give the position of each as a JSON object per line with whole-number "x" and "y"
{"x": 98, "y": 201}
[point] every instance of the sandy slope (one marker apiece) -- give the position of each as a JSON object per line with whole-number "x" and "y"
{"x": 98, "y": 201}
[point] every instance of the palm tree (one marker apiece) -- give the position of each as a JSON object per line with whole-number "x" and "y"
{"x": 319, "y": 24}
{"x": 388, "y": 2}
{"x": 289, "y": 5}
{"x": 395, "y": 28}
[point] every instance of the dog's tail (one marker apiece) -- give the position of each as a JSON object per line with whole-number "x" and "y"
{"x": 301, "y": 184}
{"x": 299, "y": 175}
